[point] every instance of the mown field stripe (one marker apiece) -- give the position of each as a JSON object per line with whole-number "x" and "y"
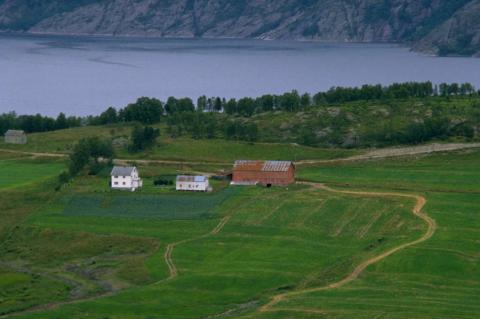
{"x": 417, "y": 211}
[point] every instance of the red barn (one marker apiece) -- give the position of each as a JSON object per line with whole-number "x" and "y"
{"x": 263, "y": 172}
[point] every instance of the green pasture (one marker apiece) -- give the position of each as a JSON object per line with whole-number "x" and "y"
{"x": 62, "y": 141}
{"x": 178, "y": 149}
{"x": 19, "y": 289}
{"x": 439, "y": 278}
{"x": 276, "y": 240}
{"x": 18, "y": 172}
{"x": 220, "y": 150}
{"x": 84, "y": 240}
{"x": 458, "y": 171}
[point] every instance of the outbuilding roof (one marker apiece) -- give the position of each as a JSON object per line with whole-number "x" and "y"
{"x": 264, "y": 166}
{"x": 122, "y": 170}
{"x": 14, "y": 133}
{"x": 188, "y": 178}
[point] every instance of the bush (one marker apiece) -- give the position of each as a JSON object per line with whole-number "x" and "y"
{"x": 143, "y": 138}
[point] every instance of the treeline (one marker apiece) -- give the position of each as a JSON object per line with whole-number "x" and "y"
{"x": 37, "y": 123}
{"x": 435, "y": 128}
{"x": 183, "y": 116}
{"x": 206, "y": 125}
{"x": 149, "y": 110}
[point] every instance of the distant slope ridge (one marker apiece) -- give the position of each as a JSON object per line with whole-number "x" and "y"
{"x": 442, "y": 27}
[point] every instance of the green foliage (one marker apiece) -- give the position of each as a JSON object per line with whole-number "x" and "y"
{"x": 198, "y": 125}
{"x": 87, "y": 152}
{"x": 307, "y": 137}
{"x": 36, "y": 123}
{"x": 145, "y": 110}
{"x": 143, "y": 138}
{"x": 174, "y": 105}
{"x": 236, "y": 130}
{"x": 110, "y": 116}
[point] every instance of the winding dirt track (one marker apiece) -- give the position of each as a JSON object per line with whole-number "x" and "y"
{"x": 417, "y": 211}
{"x": 170, "y": 247}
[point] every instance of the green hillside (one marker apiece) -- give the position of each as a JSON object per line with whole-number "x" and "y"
{"x": 85, "y": 250}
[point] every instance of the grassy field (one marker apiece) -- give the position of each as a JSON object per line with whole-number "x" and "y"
{"x": 436, "y": 279}
{"x": 15, "y": 173}
{"x": 259, "y": 252}
{"x": 236, "y": 248}
{"x": 180, "y": 149}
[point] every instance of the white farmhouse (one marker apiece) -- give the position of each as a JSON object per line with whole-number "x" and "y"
{"x": 192, "y": 183}
{"x": 126, "y": 178}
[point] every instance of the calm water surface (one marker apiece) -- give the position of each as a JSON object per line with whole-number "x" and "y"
{"x": 82, "y": 75}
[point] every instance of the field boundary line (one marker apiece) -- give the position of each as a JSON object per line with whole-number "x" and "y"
{"x": 417, "y": 211}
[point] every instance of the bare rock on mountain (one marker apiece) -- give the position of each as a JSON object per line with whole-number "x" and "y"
{"x": 438, "y": 26}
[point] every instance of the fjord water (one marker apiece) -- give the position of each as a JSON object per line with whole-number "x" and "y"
{"x": 84, "y": 75}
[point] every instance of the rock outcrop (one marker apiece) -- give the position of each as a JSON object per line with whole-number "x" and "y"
{"x": 436, "y": 26}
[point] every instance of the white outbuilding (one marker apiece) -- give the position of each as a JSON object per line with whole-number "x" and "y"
{"x": 126, "y": 178}
{"x": 15, "y": 137}
{"x": 192, "y": 183}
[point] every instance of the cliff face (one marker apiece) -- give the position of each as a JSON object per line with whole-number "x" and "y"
{"x": 436, "y": 26}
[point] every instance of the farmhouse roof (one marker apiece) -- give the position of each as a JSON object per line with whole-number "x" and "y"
{"x": 14, "y": 133}
{"x": 264, "y": 166}
{"x": 187, "y": 178}
{"x": 122, "y": 170}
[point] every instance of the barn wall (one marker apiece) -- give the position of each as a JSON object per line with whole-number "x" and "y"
{"x": 274, "y": 178}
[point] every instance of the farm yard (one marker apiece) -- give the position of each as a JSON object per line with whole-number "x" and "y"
{"x": 159, "y": 254}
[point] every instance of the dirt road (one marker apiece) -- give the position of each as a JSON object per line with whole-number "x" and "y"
{"x": 375, "y": 154}
{"x": 397, "y": 152}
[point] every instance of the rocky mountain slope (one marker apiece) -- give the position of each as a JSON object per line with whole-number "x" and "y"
{"x": 442, "y": 27}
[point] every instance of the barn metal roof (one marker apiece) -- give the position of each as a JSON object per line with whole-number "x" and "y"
{"x": 187, "y": 178}
{"x": 264, "y": 166}
{"x": 122, "y": 170}
{"x": 276, "y": 166}
{"x": 14, "y": 133}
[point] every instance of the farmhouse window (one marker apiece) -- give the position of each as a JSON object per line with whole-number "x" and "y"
{"x": 124, "y": 183}
{"x": 116, "y": 183}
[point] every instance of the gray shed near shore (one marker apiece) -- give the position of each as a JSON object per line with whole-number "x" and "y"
{"x": 15, "y": 137}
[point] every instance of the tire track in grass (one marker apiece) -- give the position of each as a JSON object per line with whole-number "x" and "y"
{"x": 170, "y": 247}
{"x": 173, "y": 271}
{"x": 172, "y": 268}
{"x": 417, "y": 211}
